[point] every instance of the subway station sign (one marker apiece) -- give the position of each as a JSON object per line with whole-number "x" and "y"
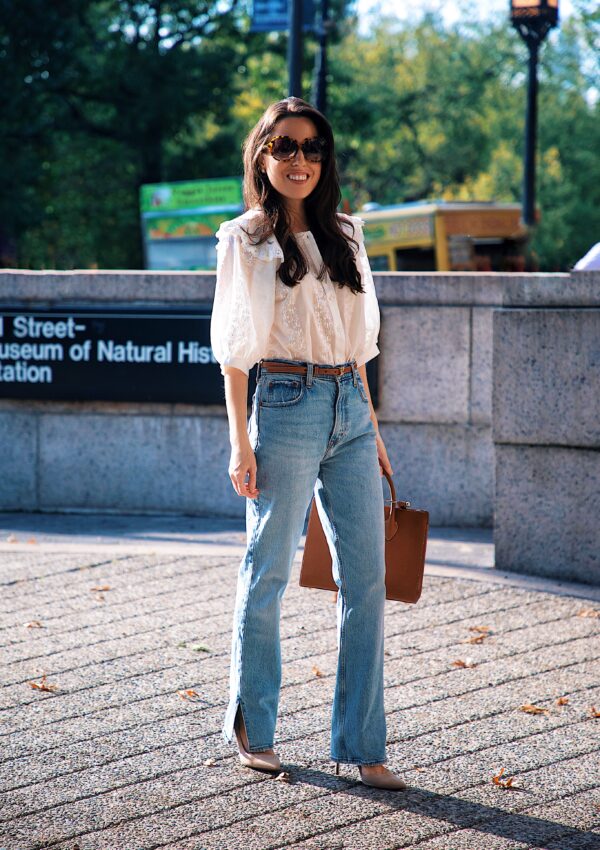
{"x": 115, "y": 354}
{"x": 109, "y": 355}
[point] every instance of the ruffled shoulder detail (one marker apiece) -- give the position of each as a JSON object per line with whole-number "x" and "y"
{"x": 270, "y": 249}
{"x": 356, "y": 220}
{"x": 346, "y": 221}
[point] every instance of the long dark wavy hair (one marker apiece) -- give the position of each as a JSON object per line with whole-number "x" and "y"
{"x": 320, "y": 206}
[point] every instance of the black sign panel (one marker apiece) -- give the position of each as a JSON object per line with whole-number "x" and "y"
{"x": 109, "y": 355}
{"x": 115, "y": 354}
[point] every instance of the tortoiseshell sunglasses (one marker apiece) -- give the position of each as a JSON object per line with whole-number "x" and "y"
{"x": 284, "y": 148}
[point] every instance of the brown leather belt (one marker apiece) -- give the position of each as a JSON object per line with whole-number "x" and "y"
{"x": 274, "y": 366}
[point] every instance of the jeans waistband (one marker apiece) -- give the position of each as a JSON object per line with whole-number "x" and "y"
{"x": 300, "y": 367}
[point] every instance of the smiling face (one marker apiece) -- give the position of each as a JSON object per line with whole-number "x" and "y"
{"x": 296, "y": 178}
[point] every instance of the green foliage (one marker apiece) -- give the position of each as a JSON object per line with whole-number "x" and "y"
{"x": 99, "y": 92}
{"x": 432, "y": 112}
{"x": 100, "y": 96}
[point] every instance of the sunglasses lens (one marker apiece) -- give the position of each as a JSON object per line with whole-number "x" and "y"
{"x": 314, "y": 149}
{"x": 284, "y": 148}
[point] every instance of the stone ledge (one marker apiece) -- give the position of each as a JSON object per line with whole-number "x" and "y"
{"x": 450, "y": 288}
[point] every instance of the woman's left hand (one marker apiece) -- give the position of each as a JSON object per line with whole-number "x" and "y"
{"x": 384, "y": 461}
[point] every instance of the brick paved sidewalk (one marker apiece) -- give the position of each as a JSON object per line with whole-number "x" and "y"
{"x": 116, "y": 759}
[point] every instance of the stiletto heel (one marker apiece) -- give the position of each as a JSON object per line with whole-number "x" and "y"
{"x": 258, "y": 761}
{"x": 389, "y": 781}
{"x": 337, "y": 768}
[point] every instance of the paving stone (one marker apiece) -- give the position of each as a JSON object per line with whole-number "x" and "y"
{"x": 115, "y": 758}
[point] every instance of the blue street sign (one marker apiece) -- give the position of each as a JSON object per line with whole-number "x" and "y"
{"x": 272, "y": 15}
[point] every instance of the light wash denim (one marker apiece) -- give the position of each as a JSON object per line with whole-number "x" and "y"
{"x": 313, "y": 434}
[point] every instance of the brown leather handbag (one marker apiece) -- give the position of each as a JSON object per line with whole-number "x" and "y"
{"x": 405, "y": 543}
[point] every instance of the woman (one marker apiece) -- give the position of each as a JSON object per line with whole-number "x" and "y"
{"x": 295, "y": 294}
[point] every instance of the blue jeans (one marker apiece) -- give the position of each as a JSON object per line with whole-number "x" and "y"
{"x": 313, "y": 434}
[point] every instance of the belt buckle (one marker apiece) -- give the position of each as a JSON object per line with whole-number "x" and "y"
{"x": 339, "y": 370}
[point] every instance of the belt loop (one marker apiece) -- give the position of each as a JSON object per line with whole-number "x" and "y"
{"x": 259, "y": 369}
{"x": 309, "y": 374}
{"x": 354, "y": 372}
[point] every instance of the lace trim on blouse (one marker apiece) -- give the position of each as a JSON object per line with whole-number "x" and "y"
{"x": 256, "y": 315}
{"x": 269, "y": 250}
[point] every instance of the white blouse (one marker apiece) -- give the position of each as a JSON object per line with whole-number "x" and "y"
{"x": 255, "y": 315}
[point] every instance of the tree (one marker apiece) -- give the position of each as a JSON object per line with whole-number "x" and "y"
{"x": 101, "y": 96}
{"x": 95, "y": 81}
{"x": 424, "y": 111}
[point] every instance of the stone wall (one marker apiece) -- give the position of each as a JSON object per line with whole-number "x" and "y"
{"x": 435, "y": 409}
{"x": 546, "y": 429}
{"x": 435, "y": 412}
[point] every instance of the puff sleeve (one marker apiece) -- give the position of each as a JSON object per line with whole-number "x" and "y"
{"x": 244, "y": 302}
{"x": 366, "y": 348}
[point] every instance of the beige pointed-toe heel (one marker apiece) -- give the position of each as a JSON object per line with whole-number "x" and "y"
{"x": 388, "y": 780}
{"x": 259, "y": 761}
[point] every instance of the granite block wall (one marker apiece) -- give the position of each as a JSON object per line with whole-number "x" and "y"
{"x": 546, "y": 430}
{"x": 435, "y": 409}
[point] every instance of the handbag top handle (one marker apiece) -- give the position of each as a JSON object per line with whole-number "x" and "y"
{"x": 391, "y": 526}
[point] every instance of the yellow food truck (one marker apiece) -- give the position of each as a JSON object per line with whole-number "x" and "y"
{"x": 445, "y": 236}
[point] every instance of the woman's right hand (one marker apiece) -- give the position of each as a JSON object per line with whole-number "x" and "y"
{"x": 242, "y": 463}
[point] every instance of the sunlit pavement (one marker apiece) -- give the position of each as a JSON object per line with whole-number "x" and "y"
{"x": 123, "y": 624}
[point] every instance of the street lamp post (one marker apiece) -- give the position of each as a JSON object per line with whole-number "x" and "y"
{"x": 532, "y": 19}
{"x": 295, "y": 48}
{"x": 319, "y": 94}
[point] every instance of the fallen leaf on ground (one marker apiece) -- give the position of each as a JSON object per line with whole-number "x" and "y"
{"x": 200, "y": 647}
{"x": 209, "y": 763}
{"x": 593, "y": 712}
{"x": 33, "y": 624}
{"x": 533, "y": 709}
{"x": 503, "y": 783}
{"x": 283, "y": 776}
{"x": 476, "y": 639}
{"x": 101, "y": 587}
{"x": 42, "y": 686}
{"x": 562, "y": 700}
{"x": 589, "y": 612}
{"x": 479, "y": 629}
{"x": 316, "y": 671}
{"x": 458, "y": 662}
{"x": 189, "y": 694}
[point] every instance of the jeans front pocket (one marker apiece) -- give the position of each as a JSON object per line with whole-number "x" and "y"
{"x": 281, "y": 392}
{"x": 361, "y": 389}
